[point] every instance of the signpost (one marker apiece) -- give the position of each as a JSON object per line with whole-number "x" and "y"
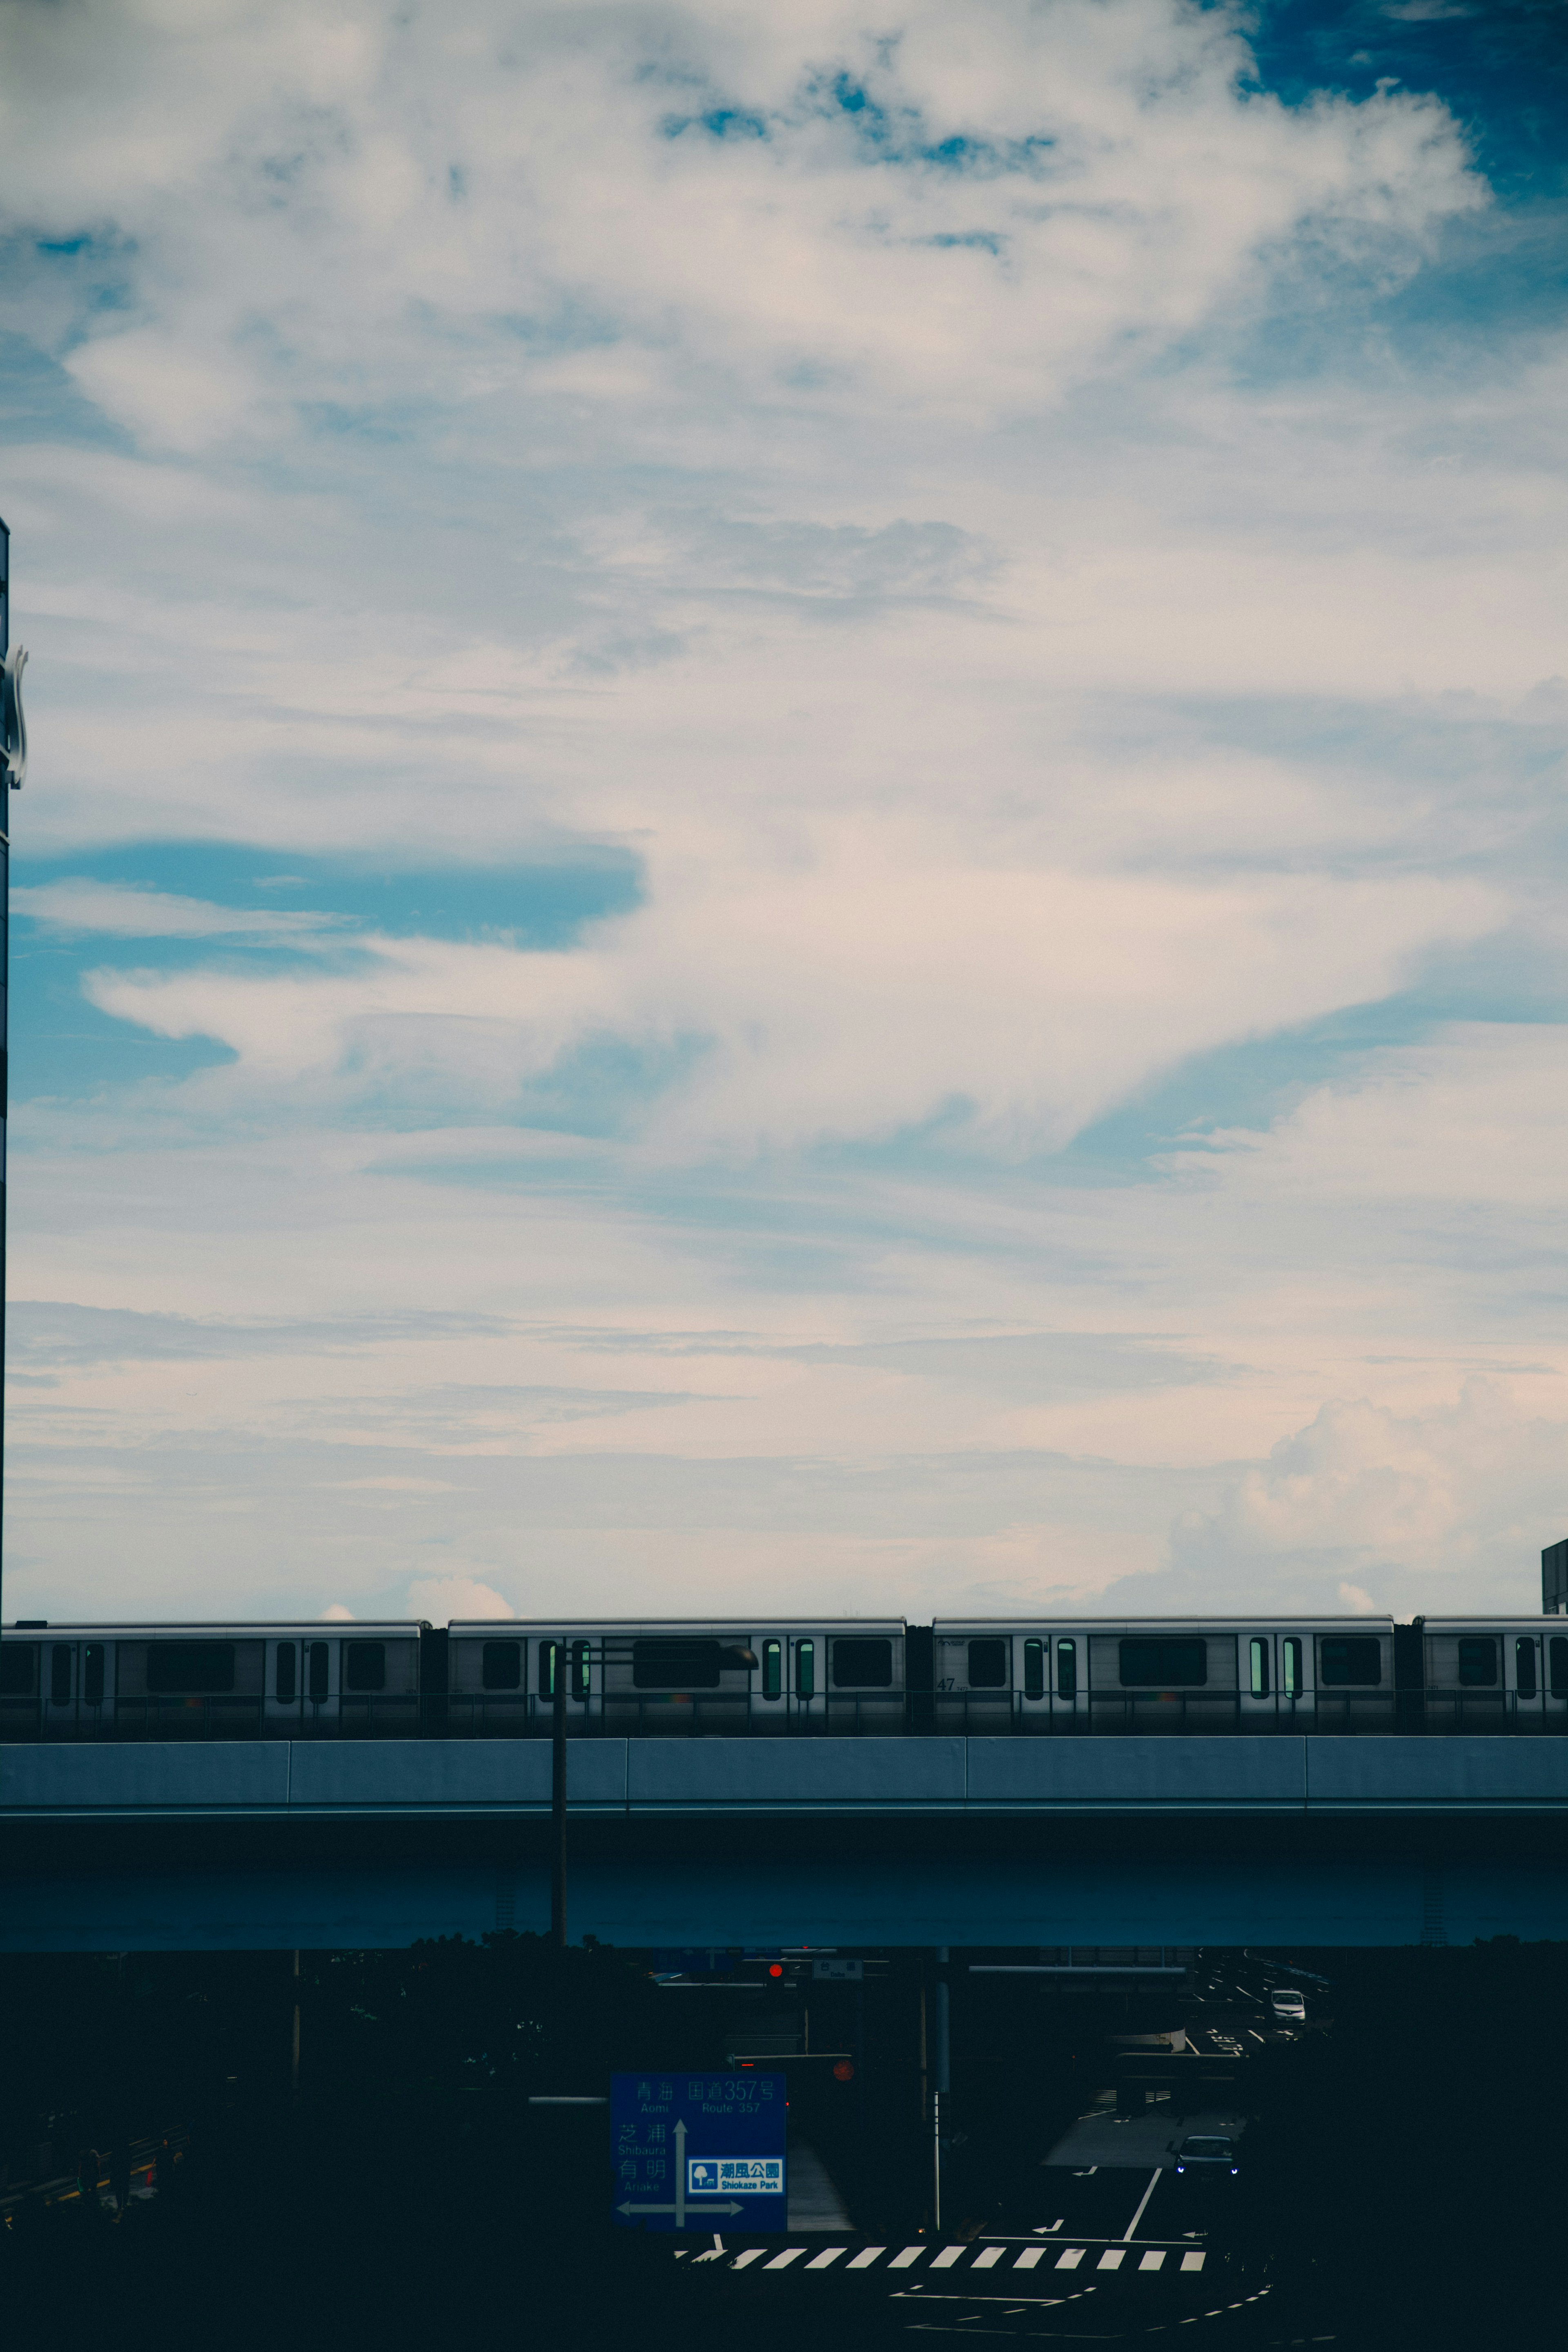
{"x": 692, "y": 2151}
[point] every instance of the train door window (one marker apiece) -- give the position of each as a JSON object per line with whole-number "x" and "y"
{"x": 805, "y": 1668}
{"x": 1478, "y": 1661}
{"x": 1524, "y": 1666}
{"x": 365, "y": 1666}
{"x": 318, "y": 1667}
{"x": 772, "y": 1670}
{"x": 1258, "y": 1653}
{"x": 863, "y": 1664}
{"x": 19, "y": 1669}
{"x": 1557, "y": 1665}
{"x": 988, "y": 1664}
{"x": 285, "y": 1672}
{"x": 1066, "y": 1670}
{"x": 1290, "y": 1660}
{"x": 547, "y": 1670}
{"x": 1033, "y": 1670}
{"x": 500, "y": 1666}
{"x": 60, "y": 1673}
{"x": 92, "y": 1674}
{"x": 1351, "y": 1659}
{"x": 581, "y": 1682}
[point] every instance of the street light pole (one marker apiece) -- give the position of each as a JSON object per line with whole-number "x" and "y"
{"x": 13, "y": 772}
{"x": 558, "y": 1797}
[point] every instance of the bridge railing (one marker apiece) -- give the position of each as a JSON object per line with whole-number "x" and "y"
{"x": 515, "y": 1715}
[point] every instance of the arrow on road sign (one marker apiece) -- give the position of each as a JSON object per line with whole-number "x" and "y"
{"x": 679, "y": 2210}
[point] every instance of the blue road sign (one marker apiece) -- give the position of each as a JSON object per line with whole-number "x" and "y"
{"x": 700, "y": 2151}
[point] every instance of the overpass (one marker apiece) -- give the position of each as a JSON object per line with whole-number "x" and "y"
{"x": 324, "y": 1845}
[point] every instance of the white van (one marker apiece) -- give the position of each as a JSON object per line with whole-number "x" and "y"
{"x": 1288, "y": 2008}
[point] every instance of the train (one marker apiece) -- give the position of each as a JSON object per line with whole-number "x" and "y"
{"x": 497, "y": 1678}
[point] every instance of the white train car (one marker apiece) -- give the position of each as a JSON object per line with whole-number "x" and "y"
{"x": 209, "y": 1681}
{"x": 674, "y": 1676}
{"x": 1163, "y": 1674}
{"x": 1494, "y": 1673}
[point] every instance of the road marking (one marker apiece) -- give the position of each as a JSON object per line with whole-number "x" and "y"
{"x": 992, "y": 2254}
{"x": 820, "y": 2261}
{"x": 1028, "y": 2258}
{"x": 1112, "y": 2258}
{"x": 1071, "y": 2259}
{"x": 1192, "y": 2261}
{"x": 1132, "y": 2228}
{"x": 911, "y": 2254}
{"x": 946, "y": 2259}
{"x": 751, "y": 2254}
{"x": 1153, "y": 2261}
{"x": 781, "y": 2261}
{"x": 866, "y": 2257}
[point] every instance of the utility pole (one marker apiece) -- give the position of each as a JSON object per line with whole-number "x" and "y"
{"x": 558, "y": 1797}
{"x": 12, "y": 774}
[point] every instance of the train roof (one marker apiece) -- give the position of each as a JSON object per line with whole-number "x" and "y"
{"x": 220, "y": 1628}
{"x": 694, "y": 1627}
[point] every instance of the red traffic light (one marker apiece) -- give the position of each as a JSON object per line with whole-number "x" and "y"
{"x": 842, "y": 2070}
{"x": 776, "y": 1970}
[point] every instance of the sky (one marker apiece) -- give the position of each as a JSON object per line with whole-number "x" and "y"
{"x": 796, "y": 839}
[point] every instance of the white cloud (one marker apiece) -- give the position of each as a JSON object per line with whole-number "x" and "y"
{"x": 335, "y": 1613}
{"x": 117, "y": 910}
{"x": 446, "y": 1598}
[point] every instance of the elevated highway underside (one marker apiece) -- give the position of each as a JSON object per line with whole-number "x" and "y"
{"x": 317, "y": 1845}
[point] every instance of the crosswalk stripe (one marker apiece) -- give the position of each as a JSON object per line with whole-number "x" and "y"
{"x": 780, "y": 2262}
{"x": 866, "y": 2257}
{"x": 911, "y": 2254}
{"x": 1071, "y": 2259}
{"x": 1153, "y": 2261}
{"x": 946, "y": 2259}
{"x": 1194, "y": 2262}
{"x": 1112, "y": 2258}
{"x": 751, "y": 2254}
{"x": 829, "y": 2254}
{"x": 1029, "y": 2257}
{"x": 992, "y": 2254}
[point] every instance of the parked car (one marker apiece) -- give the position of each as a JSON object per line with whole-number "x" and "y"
{"x": 1208, "y": 2155}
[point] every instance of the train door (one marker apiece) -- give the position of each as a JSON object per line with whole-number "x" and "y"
{"x": 807, "y": 1667}
{"x": 1062, "y": 1665}
{"x": 1526, "y": 1684}
{"x": 1554, "y": 1674}
{"x": 283, "y": 1685}
{"x": 1258, "y": 1708}
{"x": 58, "y": 1689}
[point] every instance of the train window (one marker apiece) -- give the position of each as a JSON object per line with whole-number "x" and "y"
{"x": 772, "y": 1670}
{"x": 547, "y": 1670}
{"x": 1166, "y": 1664}
{"x": 1349, "y": 1658}
{"x": 1524, "y": 1666}
{"x": 500, "y": 1666}
{"x": 1557, "y": 1663}
{"x": 805, "y": 1668}
{"x": 184, "y": 1667}
{"x": 1033, "y": 1670}
{"x": 863, "y": 1664}
{"x": 581, "y": 1681}
{"x": 675, "y": 1665}
{"x": 987, "y": 1665}
{"x": 318, "y": 1663}
{"x": 59, "y": 1674}
{"x": 1290, "y": 1664}
{"x": 365, "y": 1666}
{"x": 1259, "y": 1654}
{"x": 286, "y": 1673}
{"x": 19, "y": 1669}
{"x": 92, "y": 1674}
{"x": 1478, "y": 1661}
{"x": 1066, "y": 1670}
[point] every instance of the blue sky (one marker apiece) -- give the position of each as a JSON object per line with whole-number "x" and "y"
{"x": 796, "y": 822}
